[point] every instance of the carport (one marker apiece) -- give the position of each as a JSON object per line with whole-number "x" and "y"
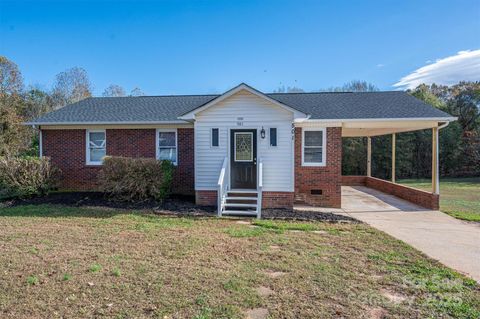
{"x": 372, "y": 128}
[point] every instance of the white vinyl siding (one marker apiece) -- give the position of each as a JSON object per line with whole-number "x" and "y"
{"x": 256, "y": 113}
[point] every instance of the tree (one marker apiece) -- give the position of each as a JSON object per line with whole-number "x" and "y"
{"x": 36, "y": 103}
{"x": 137, "y": 92}
{"x": 71, "y": 86}
{"x": 11, "y": 81}
{"x": 289, "y": 89}
{"x": 353, "y": 86}
{"x": 359, "y": 86}
{"x": 114, "y": 90}
{"x": 14, "y": 136}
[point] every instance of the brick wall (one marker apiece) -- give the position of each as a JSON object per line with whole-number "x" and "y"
{"x": 184, "y": 179}
{"x": 206, "y": 198}
{"x": 66, "y": 148}
{"x": 328, "y": 178}
{"x": 131, "y": 143}
{"x": 353, "y": 180}
{"x": 277, "y": 199}
{"x": 416, "y": 196}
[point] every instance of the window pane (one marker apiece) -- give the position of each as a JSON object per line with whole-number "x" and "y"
{"x": 97, "y": 154}
{"x": 166, "y": 139}
{"x": 168, "y": 153}
{"x": 313, "y": 155}
{"x": 215, "y": 137}
{"x": 97, "y": 139}
{"x": 243, "y": 147}
{"x": 273, "y": 136}
{"x": 313, "y": 138}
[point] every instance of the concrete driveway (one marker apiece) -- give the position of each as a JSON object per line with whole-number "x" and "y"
{"x": 451, "y": 241}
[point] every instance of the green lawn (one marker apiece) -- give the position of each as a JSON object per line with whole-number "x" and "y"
{"x": 459, "y": 197}
{"x": 88, "y": 262}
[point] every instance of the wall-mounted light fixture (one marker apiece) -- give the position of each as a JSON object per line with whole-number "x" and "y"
{"x": 262, "y": 133}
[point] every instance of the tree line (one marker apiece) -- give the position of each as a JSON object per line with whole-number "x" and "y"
{"x": 19, "y": 104}
{"x": 459, "y": 142}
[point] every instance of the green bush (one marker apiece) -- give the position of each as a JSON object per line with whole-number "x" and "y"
{"x": 22, "y": 177}
{"x": 136, "y": 179}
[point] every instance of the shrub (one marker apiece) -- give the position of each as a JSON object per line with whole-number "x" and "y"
{"x": 133, "y": 179}
{"x": 21, "y": 177}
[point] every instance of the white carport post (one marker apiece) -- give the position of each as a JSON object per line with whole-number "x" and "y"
{"x": 369, "y": 156}
{"x": 435, "y": 174}
{"x": 393, "y": 156}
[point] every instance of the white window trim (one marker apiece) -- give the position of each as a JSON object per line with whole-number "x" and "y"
{"x": 324, "y": 147}
{"x": 211, "y": 137}
{"x": 87, "y": 146}
{"x": 157, "y": 147}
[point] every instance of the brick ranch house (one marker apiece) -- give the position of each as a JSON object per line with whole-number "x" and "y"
{"x": 242, "y": 147}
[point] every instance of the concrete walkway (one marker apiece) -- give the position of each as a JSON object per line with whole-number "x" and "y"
{"x": 453, "y": 242}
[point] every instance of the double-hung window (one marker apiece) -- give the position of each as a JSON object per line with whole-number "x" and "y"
{"x": 96, "y": 146}
{"x": 314, "y": 147}
{"x": 167, "y": 145}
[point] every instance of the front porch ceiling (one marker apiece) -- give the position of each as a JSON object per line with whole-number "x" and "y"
{"x": 361, "y": 129}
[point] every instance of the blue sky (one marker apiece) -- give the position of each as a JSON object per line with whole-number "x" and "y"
{"x": 190, "y": 47}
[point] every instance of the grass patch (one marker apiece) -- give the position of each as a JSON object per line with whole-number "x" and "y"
{"x": 32, "y": 280}
{"x": 116, "y": 272}
{"x": 245, "y": 231}
{"x": 95, "y": 268}
{"x": 459, "y": 197}
{"x": 211, "y": 268}
{"x": 286, "y": 225}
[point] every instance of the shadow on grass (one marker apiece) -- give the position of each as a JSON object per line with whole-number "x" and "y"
{"x": 53, "y": 210}
{"x": 96, "y": 205}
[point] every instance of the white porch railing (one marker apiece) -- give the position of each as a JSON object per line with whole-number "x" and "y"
{"x": 222, "y": 186}
{"x": 260, "y": 186}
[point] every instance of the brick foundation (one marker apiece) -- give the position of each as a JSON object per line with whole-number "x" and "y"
{"x": 413, "y": 195}
{"x": 327, "y": 178}
{"x": 67, "y": 149}
{"x": 206, "y": 198}
{"x": 277, "y": 199}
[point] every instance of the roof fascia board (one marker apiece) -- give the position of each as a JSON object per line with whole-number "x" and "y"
{"x": 439, "y": 119}
{"x": 106, "y": 123}
{"x": 191, "y": 115}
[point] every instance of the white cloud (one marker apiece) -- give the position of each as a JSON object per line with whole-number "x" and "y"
{"x": 380, "y": 65}
{"x": 464, "y": 66}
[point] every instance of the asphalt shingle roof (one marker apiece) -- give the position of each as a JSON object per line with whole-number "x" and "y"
{"x": 323, "y": 105}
